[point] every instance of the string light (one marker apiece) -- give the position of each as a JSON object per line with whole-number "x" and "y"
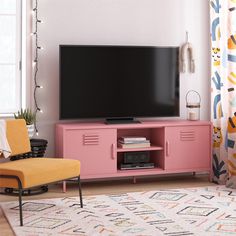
{"x": 35, "y": 62}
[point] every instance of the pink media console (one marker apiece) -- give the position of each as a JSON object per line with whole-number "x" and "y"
{"x": 176, "y": 147}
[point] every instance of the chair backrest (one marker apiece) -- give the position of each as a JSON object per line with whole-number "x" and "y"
{"x": 17, "y": 136}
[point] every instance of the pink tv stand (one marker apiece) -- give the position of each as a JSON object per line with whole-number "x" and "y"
{"x": 176, "y": 147}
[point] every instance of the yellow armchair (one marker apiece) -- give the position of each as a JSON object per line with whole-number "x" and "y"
{"x": 27, "y": 173}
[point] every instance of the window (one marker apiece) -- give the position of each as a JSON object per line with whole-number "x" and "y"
{"x": 10, "y": 56}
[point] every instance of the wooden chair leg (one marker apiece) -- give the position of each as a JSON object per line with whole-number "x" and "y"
{"x": 80, "y": 193}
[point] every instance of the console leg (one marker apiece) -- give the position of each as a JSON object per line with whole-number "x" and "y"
{"x": 80, "y": 193}
{"x": 210, "y": 177}
{"x": 134, "y": 180}
{"x": 64, "y": 186}
{"x": 194, "y": 174}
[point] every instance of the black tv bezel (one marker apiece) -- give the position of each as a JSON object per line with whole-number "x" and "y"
{"x": 130, "y": 119}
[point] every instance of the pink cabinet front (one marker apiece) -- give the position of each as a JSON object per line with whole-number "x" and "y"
{"x": 187, "y": 147}
{"x": 96, "y": 150}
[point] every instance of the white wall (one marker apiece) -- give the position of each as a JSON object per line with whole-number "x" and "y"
{"x": 122, "y": 22}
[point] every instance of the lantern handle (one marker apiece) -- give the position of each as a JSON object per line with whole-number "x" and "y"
{"x": 186, "y": 97}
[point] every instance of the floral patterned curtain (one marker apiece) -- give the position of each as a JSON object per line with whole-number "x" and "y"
{"x": 223, "y": 90}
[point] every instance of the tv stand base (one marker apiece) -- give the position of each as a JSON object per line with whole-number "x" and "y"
{"x": 123, "y": 120}
{"x": 177, "y": 146}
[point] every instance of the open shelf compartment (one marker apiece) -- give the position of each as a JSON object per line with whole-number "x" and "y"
{"x": 154, "y": 135}
{"x": 156, "y": 157}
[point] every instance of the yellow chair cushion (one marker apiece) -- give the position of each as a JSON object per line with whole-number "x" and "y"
{"x": 17, "y": 136}
{"x": 38, "y": 171}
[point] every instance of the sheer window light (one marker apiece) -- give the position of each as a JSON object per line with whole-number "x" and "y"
{"x": 10, "y": 56}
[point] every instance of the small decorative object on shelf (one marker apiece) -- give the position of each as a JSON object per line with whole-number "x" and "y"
{"x": 193, "y": 101}
{"x": 29, "y": 118}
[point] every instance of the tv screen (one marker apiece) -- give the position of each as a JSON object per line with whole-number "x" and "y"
{"x": 118, "y": 81}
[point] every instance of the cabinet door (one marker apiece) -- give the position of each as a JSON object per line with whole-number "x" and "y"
{"x": 187, "y": 147}
{"x": 96, "y": 150}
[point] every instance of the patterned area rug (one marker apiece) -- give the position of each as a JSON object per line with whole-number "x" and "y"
{"x": 175, "y": 212}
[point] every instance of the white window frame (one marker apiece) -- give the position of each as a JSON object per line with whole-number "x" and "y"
{"x": 18, "y": 62}
{"x": 25, "y": 45}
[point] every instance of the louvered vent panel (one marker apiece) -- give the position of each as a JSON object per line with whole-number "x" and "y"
{"x": 91, "y": 139}
{"x": 189, "y": 135}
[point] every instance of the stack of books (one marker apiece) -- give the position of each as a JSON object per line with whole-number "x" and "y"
{"x": 133, "y": 142}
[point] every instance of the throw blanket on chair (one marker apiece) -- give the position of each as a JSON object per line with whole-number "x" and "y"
{"x": 4, "y": 146}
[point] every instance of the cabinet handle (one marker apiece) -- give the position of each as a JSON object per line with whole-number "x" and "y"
{"x": 167, "y": 148}
{"x": 113, "y": 151}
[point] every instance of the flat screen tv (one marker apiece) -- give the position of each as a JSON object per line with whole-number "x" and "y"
{"x": 118, "y": 81}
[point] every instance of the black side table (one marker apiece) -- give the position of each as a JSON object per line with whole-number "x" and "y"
{"x": 38, "y": 148}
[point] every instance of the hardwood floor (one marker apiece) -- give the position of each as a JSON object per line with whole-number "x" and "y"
{"x": 109, "y": 187}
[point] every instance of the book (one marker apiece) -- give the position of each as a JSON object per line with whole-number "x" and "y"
{"x": 132, "y": 138}
{"x": 134, "y": 145}
{"x": 134, "y": 141}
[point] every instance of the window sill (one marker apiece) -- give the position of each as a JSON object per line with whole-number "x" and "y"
{"x": 10, "y": 115}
